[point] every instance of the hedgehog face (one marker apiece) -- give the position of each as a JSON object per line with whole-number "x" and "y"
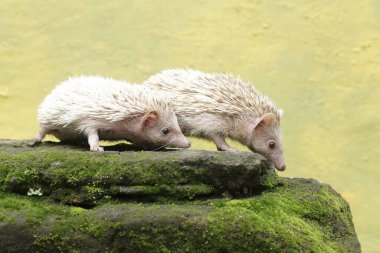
{"x": 266, "y": 140}
{"x": 159, "y": 131}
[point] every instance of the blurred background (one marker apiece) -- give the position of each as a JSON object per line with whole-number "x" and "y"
{"x": 319, "y": 60}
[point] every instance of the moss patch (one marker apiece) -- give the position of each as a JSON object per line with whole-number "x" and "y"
{"x": 79, "y": 177}
{"x": 177, "y": 201}
{"x": 298, "y": 216}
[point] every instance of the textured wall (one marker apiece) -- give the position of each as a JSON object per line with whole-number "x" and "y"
{"x": 319, "y": 60}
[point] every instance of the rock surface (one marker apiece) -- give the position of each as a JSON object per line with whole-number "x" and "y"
{"x": 63, "y": 198}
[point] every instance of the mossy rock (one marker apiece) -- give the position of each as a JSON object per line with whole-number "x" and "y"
{"x": 74, "y": 175}
{"x": 172, "y": 201}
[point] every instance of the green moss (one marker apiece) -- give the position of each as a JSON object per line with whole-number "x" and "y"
{"x": 284, "y": 218}
{"x": 184, "y": 209}
{"x": 33, "y": 210}
{"x": 158, "y": 191}
{"x": 77, "y": 210}
{"x": 191, "y": 191}
{"x": 75, "y": 176}
{"x": 297, "y": 216}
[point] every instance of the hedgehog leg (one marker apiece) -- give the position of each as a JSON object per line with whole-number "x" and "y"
{"x": 40, "y": 136}
{"x": 220, "y": 143}
{"x": 93, "y": 140}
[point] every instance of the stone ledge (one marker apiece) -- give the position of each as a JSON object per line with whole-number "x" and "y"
{"x": 74, "y": 175}
{"x": 168, "y": 201}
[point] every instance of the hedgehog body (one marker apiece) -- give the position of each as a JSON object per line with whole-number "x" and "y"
{"x": 95, "y": 107}
{"x": 215, "y": 106}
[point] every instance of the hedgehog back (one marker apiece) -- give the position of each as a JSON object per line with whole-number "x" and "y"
{"x": 194, "y": 92}
{"x": 99, "y": 98}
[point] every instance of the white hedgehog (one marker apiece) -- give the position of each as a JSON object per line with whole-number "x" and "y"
{"x": 216, "y": 106}
{"x": 96, "y": 108}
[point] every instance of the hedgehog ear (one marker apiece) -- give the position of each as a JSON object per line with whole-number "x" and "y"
{"x": 265, "y": 120}
{"x": 149, "y": 119}
{"x": 281, "y": 112}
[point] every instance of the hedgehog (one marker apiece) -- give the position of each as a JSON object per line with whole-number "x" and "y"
{"x": 218, "y": 106}
{"x": 97, "y": 108}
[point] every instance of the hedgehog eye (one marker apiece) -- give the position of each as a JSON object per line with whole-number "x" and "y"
{"x": 272, "y": 145}
{"x": 165, "y": 130}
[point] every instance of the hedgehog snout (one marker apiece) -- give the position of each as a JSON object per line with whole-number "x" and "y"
{"x": 186, "y": 144}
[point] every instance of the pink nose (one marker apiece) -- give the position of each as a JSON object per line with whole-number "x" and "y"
{"x": 282, "y": 168}
{"x": 188, "y": 144}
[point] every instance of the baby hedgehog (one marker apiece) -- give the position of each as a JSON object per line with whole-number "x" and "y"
{"x": 216, "y": 106}
{"x": 97, "y": 108}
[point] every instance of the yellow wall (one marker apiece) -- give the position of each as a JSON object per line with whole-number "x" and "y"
{"x": 319, "y": 60}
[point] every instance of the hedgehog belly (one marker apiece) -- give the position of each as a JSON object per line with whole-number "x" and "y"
{"x": 203, "y": 124}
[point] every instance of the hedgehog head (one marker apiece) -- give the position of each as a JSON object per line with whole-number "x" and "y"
{"x": 158, "y": 130}
{"x": 266, "y": 139}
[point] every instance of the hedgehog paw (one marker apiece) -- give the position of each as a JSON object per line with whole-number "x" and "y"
{"x": 233, "y": 150}
{"x": 97, "y": 149}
